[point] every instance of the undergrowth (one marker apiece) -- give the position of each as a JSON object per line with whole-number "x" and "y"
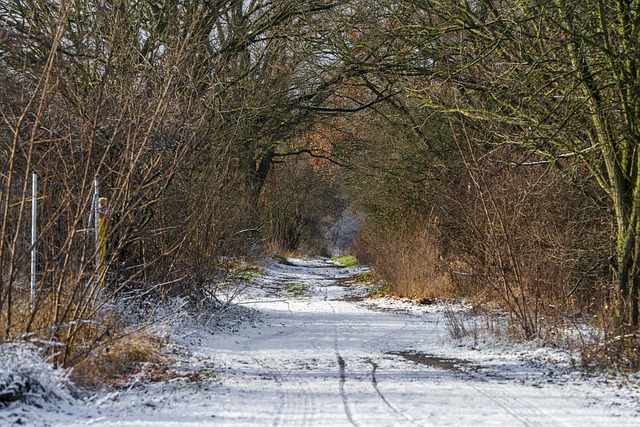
{"x": 116, "y": 361}
{"x": 619, "y": 352}
{"x": 608, "y": 345}
{"x": 408, "y": 261}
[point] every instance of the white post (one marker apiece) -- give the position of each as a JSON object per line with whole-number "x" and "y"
{"x": 96, "y": 227}
{"x": 34, "y": 235}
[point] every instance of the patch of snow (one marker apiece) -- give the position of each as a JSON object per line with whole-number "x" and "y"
{"x": 27, "y": 382}
{"x": 331, "y": 357}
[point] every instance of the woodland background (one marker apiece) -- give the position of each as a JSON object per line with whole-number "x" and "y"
{"x": 488, "y": 149}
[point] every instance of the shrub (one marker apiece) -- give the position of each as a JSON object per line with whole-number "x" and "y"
{"x": 408, "y": 260}
{"x": 26, "y": 377}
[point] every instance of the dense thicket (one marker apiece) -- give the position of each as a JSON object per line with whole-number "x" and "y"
{"x": 554, "y": 80}
{"x": 181, "y": 110}
{"x": 488, "y": 148}
{"x": 510, "y": 157}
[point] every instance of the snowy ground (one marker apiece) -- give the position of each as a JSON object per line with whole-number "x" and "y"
{"x": 314, "y": 354}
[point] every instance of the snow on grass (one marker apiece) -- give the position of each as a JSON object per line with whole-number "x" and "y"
{"x": 29, "y": 382}
{"x": 25, "y": 377}
{"x": 338, "y": 358}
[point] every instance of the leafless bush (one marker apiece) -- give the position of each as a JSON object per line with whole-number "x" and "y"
{"x": 611, "y": 347}
{"x": 520, "y": 234}
{"x": 527, "y": 238}
{"x": 181, "y": 112}
{"x": 84, "y": 96}
{"x": 460, "y": 325}
{"x": 605, "y": 344}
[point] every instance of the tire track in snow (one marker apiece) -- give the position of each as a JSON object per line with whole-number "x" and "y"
{"x": 374, "y": 383}
{"x": 298, "y": 410}
{"x": 526, "y": 413}
{"x": 343, "y": 379}
{"x": 288, "y": 413}
{"x": 342, "y": 376}
{"x": 341, "y": 369}
{"x": 298, "y": 406}
{"x": 271, "y": 373}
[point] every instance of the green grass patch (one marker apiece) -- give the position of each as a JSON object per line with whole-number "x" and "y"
{"x": 346, "y": 261}
{"x": 371, "y": 283}
{"x": 364, "y": 277}
{"x": 251, "y": 273}
{"x": 378, "y": 291}
{"x": 296, "y": 289}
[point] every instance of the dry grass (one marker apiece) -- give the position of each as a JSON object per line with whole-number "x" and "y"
{"x": 459, "y": 325}
{"x": 409, "y": 262}
{"x": 95, "y": 344}
{"x": 116, "y": 361}
{"x": 620, "y": 351}
{"x": 62, "y": 318}
{"x": 610, "y": 345}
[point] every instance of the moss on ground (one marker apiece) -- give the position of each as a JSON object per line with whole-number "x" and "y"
{"x": 346, "y": 261}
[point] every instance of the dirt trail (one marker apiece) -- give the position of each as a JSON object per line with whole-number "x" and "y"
{"x": 318, "y": 355}
{"x": 320, "y": 359}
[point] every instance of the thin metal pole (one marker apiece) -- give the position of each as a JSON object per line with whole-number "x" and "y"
{"x": 34, "y": 235}
{"x": 96, "y": 227}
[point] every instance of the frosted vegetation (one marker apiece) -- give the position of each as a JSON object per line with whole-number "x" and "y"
{"x": 155, "y": 156}
{"x": 330, "y": 355}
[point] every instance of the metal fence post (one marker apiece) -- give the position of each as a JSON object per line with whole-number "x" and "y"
{"x": 96, "y": 223}
{"x": 34, "y": 235}
{"x": 102, "y": 237}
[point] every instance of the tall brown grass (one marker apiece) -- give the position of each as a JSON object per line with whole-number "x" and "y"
{"x": 99, "y": 346}
{"x": 408, "y": 259}
{"x": 118, "y": 359}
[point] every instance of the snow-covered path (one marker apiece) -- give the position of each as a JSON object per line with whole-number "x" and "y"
{"x": 328, "y": 358}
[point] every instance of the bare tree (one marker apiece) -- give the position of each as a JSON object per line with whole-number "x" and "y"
{"x": 555, "y": 78}
{"x": 91, "y": 90}
{"x": 180, "y": 109}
